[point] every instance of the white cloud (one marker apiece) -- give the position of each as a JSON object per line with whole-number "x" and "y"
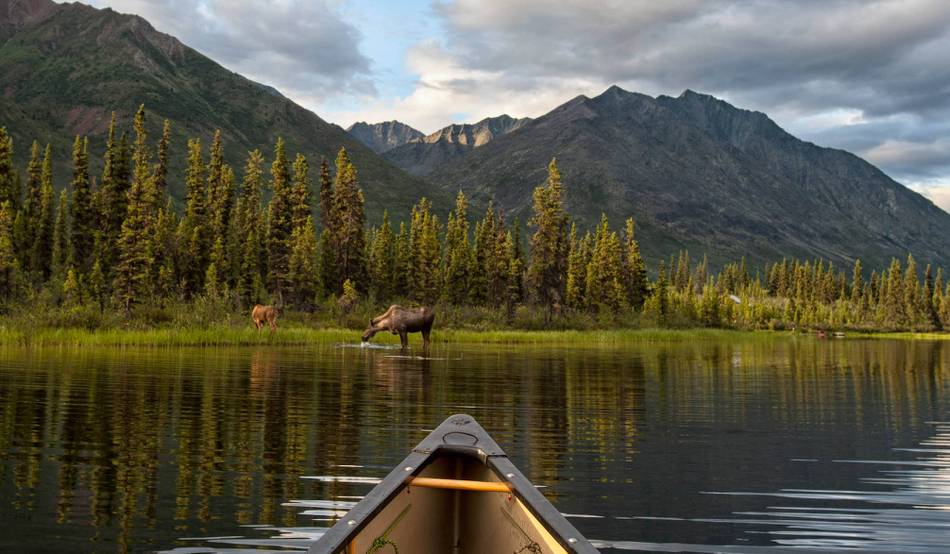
{"x": 447, "y": 91}
{"x": 868, "y": 76}
{"x": 845, "y": 73}
{"x": 302, "y": 47}
{"x": 892, "y": 152}
{"x": 938, "y": 191}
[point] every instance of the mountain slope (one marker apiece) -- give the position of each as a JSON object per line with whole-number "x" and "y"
{"x": 701, "y": 174}
{"x": 451, "y": 143}
{"x": 65, "y": 67}
{"x": 384, "y": 136}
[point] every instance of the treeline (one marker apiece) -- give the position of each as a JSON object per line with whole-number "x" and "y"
{"x": 116, "y": 243}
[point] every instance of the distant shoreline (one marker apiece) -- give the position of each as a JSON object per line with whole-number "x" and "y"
{"x": 305, "y": 336}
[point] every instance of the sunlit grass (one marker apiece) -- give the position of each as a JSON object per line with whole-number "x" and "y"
{"x": 598, "y": 337}
{"x": 301, "y": 336}
{"x": 907, "y": 336}
{"x": 214, "y": 336}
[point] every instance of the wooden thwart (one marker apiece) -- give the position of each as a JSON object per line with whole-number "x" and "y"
{"x": 443, "y": 481}
{"x": 458, "y": 484}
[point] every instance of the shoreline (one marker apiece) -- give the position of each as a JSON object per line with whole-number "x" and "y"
{"x": 304, "y": 336}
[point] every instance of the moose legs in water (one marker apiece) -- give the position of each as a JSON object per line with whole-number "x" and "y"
{"x": 425, "y": 339}
{"x": 402, "y": 321}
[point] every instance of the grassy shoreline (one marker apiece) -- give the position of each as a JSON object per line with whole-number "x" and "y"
{"x": 302, "y": 336}
{"x": 906, "y": 336}
{"x": 218, "y": 336}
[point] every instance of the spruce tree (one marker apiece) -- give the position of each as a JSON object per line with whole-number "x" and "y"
{"x": 167, "y": 251}
{"x": 938, "y": 289}
{"x": 59, "y": 254}
{"x": 303, "y": 265}
{"x": 250, "y": 280}
{"x": 945, "y": 307}
{"x": 478, "y": 281}
{"x": 604, "y": 278}
{"x": 20, "y": 239}
{"x": 212, "y": 284}
{"x": 575, "y": 290}
{"x": 42, "y": 247}
{"x": 857, "y": 282}
{"x": 347, "y": 231}
{"x": 252, "y": 220}
{"x": 512, "y": 296}
{"x": 123, "y": 167}
{"x": 326, "y": 197}
{"x": 32, "y": 207}
{"x": 483, "y": 257}
{"x": 682, "y": 271}
{"x": 9, "y": 265}
{"x": 929, "y": 308}
{"x": 893, "y": 295}
{"x": 635, "y": 269}
{"x": 912, "y": 307}
{"x": 135, "y": 271}
{"x": 497, "y": 268}
{"x": 97, "y": 284}
{"x": 165, "y": 220}
{"x": 220, "y": 190}
{"x": 700, "y": 279}
{"x": 83, "y": 217}
{"x": 300, "y": 193}
{"x": 160, "y": 181}
{"x": 425, "y": 253}
{"x": 458, "y": 254}
{"x": 403, "y": 262}
{"x": 659, "y": 292}
{"x": 280, "y": 223}
{"x": 327, "y": 257}
{"x": 9, "y": 180}
{"x": 113, "y": 197}
{"x": 194, "y": 231}
{"x": 548, "y": 263}
{"x": 520, "y": 258}
{"x": 382, "y": 260}
{"x": 72, "y": 290}
{"x": 709, "y": 307}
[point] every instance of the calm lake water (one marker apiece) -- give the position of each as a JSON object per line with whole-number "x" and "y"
{"x": 741, "y": 446}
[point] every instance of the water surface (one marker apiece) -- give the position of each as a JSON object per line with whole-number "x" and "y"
{"x": 709, "y": 446}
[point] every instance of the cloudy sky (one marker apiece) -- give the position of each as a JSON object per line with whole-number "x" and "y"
{"x": 869, "y": 76}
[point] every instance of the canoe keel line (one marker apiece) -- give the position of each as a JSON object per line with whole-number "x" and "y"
{"x": 458, "y": 493}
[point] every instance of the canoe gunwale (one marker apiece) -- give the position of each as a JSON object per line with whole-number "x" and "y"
{"x": 437, "y": 443}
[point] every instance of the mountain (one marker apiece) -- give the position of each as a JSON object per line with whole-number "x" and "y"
{"x": 384, "y": 136}
{"x": 701, "y": 174}
{"x": 443, "y": 147}
{"x": 65, "y": 67}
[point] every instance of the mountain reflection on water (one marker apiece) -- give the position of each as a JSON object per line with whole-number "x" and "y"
{"x": 740, "y": 446}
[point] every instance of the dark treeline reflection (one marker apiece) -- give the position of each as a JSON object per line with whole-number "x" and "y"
{"x": 121, "y": 450}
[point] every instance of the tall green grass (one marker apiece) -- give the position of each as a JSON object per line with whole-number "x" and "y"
{"x": 905, "y": 336}
{"x": 596, "y": 337}
{"x": 300, "y": 336}
{"x": 213, "y": 336}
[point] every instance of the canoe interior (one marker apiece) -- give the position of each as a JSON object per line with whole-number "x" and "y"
{"x": 438, "y": 521}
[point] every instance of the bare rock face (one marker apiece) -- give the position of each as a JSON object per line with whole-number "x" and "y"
{"x": 421, "y": 157}
{"x": 15, "y": 14}
{"x": 477, "y": 134}
{"x": 384, "y": 136}
{"x": 698, "y": 173}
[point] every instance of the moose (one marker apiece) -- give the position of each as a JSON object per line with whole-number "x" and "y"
{"x": 402, "y": 321}
{"x": 264, "y": 314}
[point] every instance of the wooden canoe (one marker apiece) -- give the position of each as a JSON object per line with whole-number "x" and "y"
{"x": 457, "y": 492}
